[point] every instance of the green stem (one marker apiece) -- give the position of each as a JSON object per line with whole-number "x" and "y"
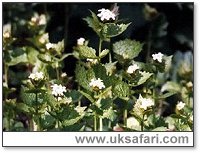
{"x": 57, "y": 73}
{"x": 100, "y": 44}
{"x": 37, "y": 113}
{"x": 6, "y": 67}
{"x": 79, "y": 102}
{"x": 109, "y": 124}
{"x": 142, "y": 123}
{"x": 31, "y": 125}
{"x": 95, "y": 121}
{"x": 125, "y": 117}
{"x": 189, "y": 100}
{"x": 110, "y": 48}
{"x": 100, "y": 124}
{"x": 110, "y": 57}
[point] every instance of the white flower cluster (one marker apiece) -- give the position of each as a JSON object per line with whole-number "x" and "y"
{"x": 7, "y": 31}
{"x": 80, "y": 41}
{"x": 80, "y": 110}
{"x": 133, "y": 123}
{"x": 68, "y": 100}
{"x": 158, "y": 57}
{"x": 36, "y": 76}
{"x": 58, "y": 90}
{"x": 44, "y": 38}
{"x": 63, "y": 75}
{"x": 106, "y": 14}
{"x": 49, "y": 46}
{"x": 180, "y": 105}
{"x": 97, "y": 83}
{"x": 38, "y": 20}
{"x": 93, "y": 61}
{"x": 145, "y": 103}
{"x": 132, "y": 68}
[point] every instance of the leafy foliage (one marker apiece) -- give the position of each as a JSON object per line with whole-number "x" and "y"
{"x": 112, "y": 89}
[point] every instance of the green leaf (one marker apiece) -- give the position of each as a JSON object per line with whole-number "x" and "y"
{"x": 87, "y": 96}
{"x": 59, "y": 47}
{"x": 168, "y": 62}
{"x": 143, "y": 78}
{"x": 17, "y": 56}
{"x": 112, "y": 29}
{"x": 76, "y": 95}
{"x": 46, "y": 58}
{"x": 72, "y": 121}
{"x": 109, "y": 114}
{"x": 64, "y": 56}
{"x": 106, "y": 103}
{"x": 128, "y": 49}
{"x": 162, "y": 128}
{"x": 48, "y": 122}
{"x": 121, "y": 89}
{"x": 23, "y": 107}
{"x": 110, "y": 68}
{"x": 100, "y": 72}
{"x": 171, "y": 87}
{"x": 27, "y": 98}
{"x": 104, "y": 53}
{"x": 31, "y": 55}
{"x": 94, "y": 23}
{"x": 166, "y": 95}
{"x": 84, "y": 76}
{"x": 87, "y": 52}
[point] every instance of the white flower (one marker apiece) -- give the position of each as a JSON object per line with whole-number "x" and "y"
{"x": 38, "y": 20}
{"x": 132, "y": 68}
{"x": 7, "y": 31}
{"x": 80, "y": 41}
{"x": 145, "y": 103}
{"x": 180, "y": 105}
{"x": 68, "y": 100}
{"x": 58, "y": 90}
{"x": 158, "y": 57}
{"x": 63, "y": 75}
{"x": 46, "y": 111}
{"x": 132, "y": 123}
{"x": 49, "y": 46}
{"x": 189, "y": 84}
{"x": 93, "y": 61}
{"x": 106, "y": 14}
{"x": 80, "y": 110}
{"x": 42, "y": 20}
{"x": 97, "y": 83}
{"x": 36, "y": 76}
{"x": 44, "y": 38}
{"x": 6, "y": 35}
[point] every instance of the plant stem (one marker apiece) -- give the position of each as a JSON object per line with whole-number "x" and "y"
{"x": 189, "y": 100}
{"x": 79, "y": 102}
{"x": 37, "y": 113}
{"x": 31, "y": 125}
{"x": 142, "y": 123}
{"x": 57, "y": 73}
{"x": 95, "y": 121}
{"x": 110, "y": 55}
{"x": 125, "y": 117}
{"x": 100, "y": 43}
{"x": 100, "y": 124}
{"x": 6, "y": 67}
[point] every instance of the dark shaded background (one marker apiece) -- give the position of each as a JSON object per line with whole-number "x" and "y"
{"x": 65, "y": 21}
